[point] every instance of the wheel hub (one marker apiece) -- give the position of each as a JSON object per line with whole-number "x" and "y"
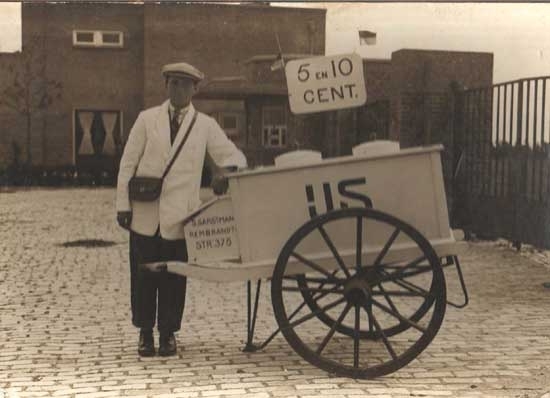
{"x": 357, "y": 290}
{"x": 359, "y": 287}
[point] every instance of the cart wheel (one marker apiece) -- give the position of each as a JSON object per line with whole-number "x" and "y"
{"x": 369, "y": 331}
{"x": 332, "y": 289}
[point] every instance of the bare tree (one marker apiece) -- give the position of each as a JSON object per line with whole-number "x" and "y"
{"x": 29, "y": 91}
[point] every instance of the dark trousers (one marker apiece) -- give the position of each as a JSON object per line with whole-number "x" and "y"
{"x": 146, "y": 286}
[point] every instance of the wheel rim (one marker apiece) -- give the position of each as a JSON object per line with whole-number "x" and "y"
{"x": 326, "y": 316}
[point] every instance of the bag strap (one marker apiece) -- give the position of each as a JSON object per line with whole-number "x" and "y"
{"x": 180, "y": 146}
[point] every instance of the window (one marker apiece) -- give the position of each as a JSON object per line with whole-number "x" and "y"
{"x": 97, "y": 38}
{"x": 84, "y": 37}
{"x": 229, "y": 123}
{"x": 111, "y": 38}
{"x": 274, "y": 129}
{"x": 97, "y": 133}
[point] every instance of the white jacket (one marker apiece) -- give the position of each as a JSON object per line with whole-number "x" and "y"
{"x": 147, "y": 153}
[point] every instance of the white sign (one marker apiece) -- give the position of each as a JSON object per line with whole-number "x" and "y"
{"x": 212, "y": 235}
{"x": 325, "y": 83}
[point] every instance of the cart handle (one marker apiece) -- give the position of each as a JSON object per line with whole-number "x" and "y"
{"x": 201, "y": 208}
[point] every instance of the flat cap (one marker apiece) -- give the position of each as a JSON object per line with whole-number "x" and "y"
{"x": 182, "y": 69}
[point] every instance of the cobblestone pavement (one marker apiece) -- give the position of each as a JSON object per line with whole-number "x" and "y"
{"x": 65, "y": 328}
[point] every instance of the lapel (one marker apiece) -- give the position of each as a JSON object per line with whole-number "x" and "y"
{"x": 181, "y": 132}
{"x": 163, "y": 128}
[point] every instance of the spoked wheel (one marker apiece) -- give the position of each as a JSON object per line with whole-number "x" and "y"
{"x": 358, "y": 292}
{"x": 310, "y": 298}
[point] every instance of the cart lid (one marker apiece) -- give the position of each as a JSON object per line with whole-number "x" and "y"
{"x": 336, "y": 160}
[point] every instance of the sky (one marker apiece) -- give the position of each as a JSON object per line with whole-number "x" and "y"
{"x": 10, "y": 26}
{"x": 517, "y": 34}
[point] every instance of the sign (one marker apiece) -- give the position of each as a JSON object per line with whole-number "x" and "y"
{"x": 325, "y": 83}
{"x": 212, "y": 234}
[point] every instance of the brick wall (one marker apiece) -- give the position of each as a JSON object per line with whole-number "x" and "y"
{"x": 422, "y": 99}
{"x": 218, "y": 39}
{"x": 11, "y": 132}
{"x": 10, "y": 126}
{"x": 378, "y": 75}
{"x": 417, "y": 85}
{"x": 259, "y": 71}
{"x": 432, "y": 71}
{"x": 367, "y": 119}
{"x": 92, "y": 78}
{"x": 420, "y": 88}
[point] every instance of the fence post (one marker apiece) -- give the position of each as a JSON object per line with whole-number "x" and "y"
{"x": 457, "y": 196}
{"x": 519, "y": 174}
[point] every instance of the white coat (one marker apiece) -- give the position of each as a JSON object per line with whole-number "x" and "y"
{"x": 147, "y": 153}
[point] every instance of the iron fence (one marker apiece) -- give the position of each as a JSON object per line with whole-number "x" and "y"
{"x": 503, "y": 169}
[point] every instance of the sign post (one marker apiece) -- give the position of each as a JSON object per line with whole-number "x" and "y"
{"x": 325, "y": 83}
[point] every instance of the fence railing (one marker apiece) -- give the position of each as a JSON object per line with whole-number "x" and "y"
{"x": 504, "y": 163}
{"x": 503, "y": 125}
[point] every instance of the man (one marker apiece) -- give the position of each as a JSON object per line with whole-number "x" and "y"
{"x": 156, "y": 229}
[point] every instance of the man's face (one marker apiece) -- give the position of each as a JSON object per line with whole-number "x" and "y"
{"x": 180, "y": 90}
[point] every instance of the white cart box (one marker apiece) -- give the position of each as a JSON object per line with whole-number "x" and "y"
{"x": 271, "y": 203}
{"x": 247, "y": 229}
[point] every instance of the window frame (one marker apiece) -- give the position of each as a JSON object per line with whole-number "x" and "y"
{"x": 98, "y": 41}
{"x": 231, "y": 132}
{"x": 121, "y": 137}
{"x": 274, "y": 131}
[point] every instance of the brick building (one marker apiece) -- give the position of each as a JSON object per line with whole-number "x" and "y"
{"x": 108, "y": 59}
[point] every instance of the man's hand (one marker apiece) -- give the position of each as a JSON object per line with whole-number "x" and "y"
{"x": 219, "y": 184}
{"x": 124, "y": 219}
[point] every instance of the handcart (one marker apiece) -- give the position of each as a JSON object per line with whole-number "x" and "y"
{"x": 354, "y": 248}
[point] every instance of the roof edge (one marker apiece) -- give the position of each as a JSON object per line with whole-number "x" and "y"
{"x": 273, "y": 57}
{"x": 442, "y": 51}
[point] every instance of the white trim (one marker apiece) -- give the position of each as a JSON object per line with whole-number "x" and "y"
{"x": 76, "y": 42}
{"x": 98, "y": 39}
{"x": 278, "y": 131}
{"x": 274, "y": 132}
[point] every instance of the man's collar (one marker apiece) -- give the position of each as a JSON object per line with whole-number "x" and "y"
{"x": 182, "y": 110}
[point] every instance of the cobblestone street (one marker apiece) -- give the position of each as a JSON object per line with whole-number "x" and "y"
{"x": 65, "y": 325}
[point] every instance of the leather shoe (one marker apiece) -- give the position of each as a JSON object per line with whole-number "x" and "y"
{"x": 146, "y": 345}
{"x": 167, "y": 344}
